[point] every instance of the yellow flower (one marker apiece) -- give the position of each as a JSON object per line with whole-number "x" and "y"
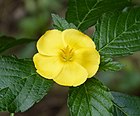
{"x": 68, "y": 57}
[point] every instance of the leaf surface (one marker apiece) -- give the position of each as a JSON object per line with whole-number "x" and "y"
{"x": 9, "y": 42}
{"x": 118, "y": 33}
{"x": 20, "y": 85}
{"x": 108, "y": 64}
{"x": 125, "y": 105}
{"x": 85, "y": 13}
{"x": 61, "y": 24}
{"x": 90, "y": 99}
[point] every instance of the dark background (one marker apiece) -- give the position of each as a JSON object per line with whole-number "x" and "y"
{"x": 31, "y": 18}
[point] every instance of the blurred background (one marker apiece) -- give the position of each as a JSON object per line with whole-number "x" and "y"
{"x": 30, "y": 19}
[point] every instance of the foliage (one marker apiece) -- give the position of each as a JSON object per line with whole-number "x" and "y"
{"x": 122, "y": 33}
{"x": 20, "y": 85}
{"x": 7, "y": 42}
{"x": 117, "y": 33}
{"x": 61, "y": 24}
{"x": 109, "y": 64}
{"x": 85, "y": 13}
{"x": 91, "y": 98}
{"x": 125, "y": 105}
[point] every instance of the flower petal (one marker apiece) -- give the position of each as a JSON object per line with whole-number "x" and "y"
{"x": 50, "y": 43}
{"x": 72, "y": 74}
{"x": 48, "y": 67}
{"x": 89, "y": 59}
{"x": 75, "y": 39}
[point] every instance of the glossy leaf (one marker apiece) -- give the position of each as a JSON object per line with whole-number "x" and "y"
{"x": 61, "y": 24}
{"x": 85, "y": 13}
{"x": 90, "y": 99}
{"x": 20, "y": 85}
{"x": 118, "y": 33}
{"x": 9, "y": 42}
{"x": 125, "y": 105}
{"x": 109, "y": 64}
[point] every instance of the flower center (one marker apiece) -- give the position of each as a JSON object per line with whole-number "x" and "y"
{"x": 67, "y": 54}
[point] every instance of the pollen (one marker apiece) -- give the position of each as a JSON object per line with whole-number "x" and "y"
{"x": 66, "y": 54}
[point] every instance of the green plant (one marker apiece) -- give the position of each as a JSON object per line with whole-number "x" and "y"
{"x": 117, "y": 34}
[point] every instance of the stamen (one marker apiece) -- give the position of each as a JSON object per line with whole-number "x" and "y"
{"x": 67, "y": 54}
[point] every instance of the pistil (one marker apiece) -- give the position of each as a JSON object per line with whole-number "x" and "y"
{"x": 67, "y": 54}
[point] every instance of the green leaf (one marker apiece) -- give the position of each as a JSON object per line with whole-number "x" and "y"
{"x": 90, "y": 99}
{"x": 85, "y": 13}
{"x": 118, "y": 33}
{"x": 125, "y": 105}
{"x": 109, "y": 64}
{"x": 61, "y": 24}
{"x": 9, "y": 42}
{"x": 20, "y": 85}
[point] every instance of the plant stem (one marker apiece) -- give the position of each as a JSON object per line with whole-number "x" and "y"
{"x": 11, "y": 114}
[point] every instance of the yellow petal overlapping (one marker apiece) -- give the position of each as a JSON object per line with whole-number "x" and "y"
{"x": 89, "y": 58}
{"x": 50, "y": 43}
{"x": 72, "y": 74}
{"x": 47, "y": 66}
{"x": 68, "y": 57}
{"x": 76, "y": 39}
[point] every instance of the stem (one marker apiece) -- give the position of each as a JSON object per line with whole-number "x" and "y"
{"x": 11, "y": 114}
